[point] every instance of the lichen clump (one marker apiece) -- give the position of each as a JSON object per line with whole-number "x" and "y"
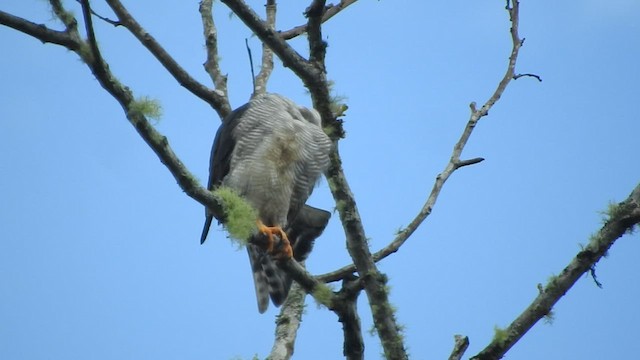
{"x": 239, "y": 214}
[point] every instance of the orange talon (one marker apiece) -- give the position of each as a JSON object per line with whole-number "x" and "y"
{"x": 285, "y": 251}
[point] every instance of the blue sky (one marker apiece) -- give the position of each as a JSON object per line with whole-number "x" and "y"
{"x": 99, "y": 250}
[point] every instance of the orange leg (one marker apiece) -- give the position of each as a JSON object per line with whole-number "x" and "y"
{"x": 286, "y": 252}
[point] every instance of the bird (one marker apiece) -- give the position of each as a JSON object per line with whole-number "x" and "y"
{"x": 272, "y": 152}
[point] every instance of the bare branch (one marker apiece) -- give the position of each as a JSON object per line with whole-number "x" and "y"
{"x": 461, "y": 345}
{"x": 622, "y": 219}
{"x": 101, "y": 67}
{"x": 347, "y": 311}
{"x": 317, "y": 46}
{"x": 329, "y": 12}
{"x": 103, "y": 18}
{"x": 212, "y": 65}
{"x": 374, "y": 282}
{"x": 217, "y": 100}
{"x": 40, "y": 31}
{"x": 266, "y": 68}
{"x": 288, "y": 323}
{"x": 454, "y": 161}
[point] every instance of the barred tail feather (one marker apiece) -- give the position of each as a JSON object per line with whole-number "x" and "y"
{"x": 269, "y": 281}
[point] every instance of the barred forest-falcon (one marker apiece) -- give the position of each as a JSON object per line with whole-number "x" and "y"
{"x": 272, "y": 152}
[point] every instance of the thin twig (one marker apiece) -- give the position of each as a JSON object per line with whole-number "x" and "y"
{"x": 105, "y": 19}
{"x": 253, "y": 75}
{"x": 518, "y": 76}
{"x": 454, "y": 161}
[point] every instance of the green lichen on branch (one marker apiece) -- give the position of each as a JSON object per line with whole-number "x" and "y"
{"x": 239, "y": 214}
{"x": 59, "y": 12}
{"x": 500, "y": 335}
{"x": 150, "y": 108}
{"x": 323, "y": 294}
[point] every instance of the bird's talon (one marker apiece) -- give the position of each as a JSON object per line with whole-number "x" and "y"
{"x": 283, "y": 250}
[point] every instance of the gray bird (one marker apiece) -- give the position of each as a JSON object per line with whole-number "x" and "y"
{"x": 272, "y": 152}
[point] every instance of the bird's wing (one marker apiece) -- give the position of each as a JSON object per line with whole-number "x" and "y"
{"x": 305, "y": 229}
{"x": 220, "y": 159}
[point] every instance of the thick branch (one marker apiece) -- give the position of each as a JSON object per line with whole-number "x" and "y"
{"x": 217, "y": 100}
{"x": 347, "y": 311}
{"x": 287, "y": 324}
{"x": 314, "y": 77}
{"x": 374, "y": 282}
{"x": 622, "y": 219}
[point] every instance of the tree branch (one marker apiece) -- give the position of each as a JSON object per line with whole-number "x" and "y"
{"x": 329, "y": 12}
{"x": 347, "y": 311}
{"x": 373, "y": 281}
{"x": 288, "y": 323}
{"x": 267, "y": 55}
{"x": 460, "y": 346}
{"x": 212, "y": 65}
{"x": 103, "y": 18}
{"x": 317, "y": 46}
{"x": 39, "y": 31}
{"x": 217, "y": 100}
{"x": 622, "y": 219}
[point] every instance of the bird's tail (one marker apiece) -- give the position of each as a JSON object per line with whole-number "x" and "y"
{"x": 205, "y": 229}
{"x": 269, "y": 280}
